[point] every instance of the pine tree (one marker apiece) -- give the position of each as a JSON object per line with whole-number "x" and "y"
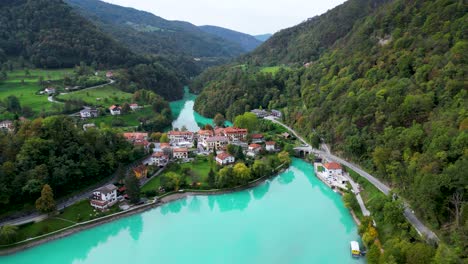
{"x": 211, "y": 178}
{"x": 46, "y": 203}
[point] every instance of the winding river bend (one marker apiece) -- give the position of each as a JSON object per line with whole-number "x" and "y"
{"x": 292, "y": 218}
{"x": 186, "y": 115}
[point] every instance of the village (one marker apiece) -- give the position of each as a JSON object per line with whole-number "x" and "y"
{"x": 199, "y": 154}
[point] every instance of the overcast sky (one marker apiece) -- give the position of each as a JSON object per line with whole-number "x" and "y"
{"x": 249, "y": 16}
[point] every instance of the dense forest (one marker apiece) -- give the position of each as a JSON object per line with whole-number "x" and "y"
{"x": 49, "y": 34}
{"x": 389, "y": 92}
{"x": 55, "y": 151}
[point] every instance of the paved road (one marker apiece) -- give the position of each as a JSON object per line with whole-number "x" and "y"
{"x": 364, "y": 210}
{"x": 408, "y": 212}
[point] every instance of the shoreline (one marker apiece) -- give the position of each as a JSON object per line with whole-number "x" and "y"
{"x": 167, "y": 198}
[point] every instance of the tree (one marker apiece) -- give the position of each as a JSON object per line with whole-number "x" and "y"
{"x": 8, "y": 233}
{"x": 219, "y": 120}
{"x": 259, "y": 168}
{"x": 126, "y": 108}
{"x": 457, "y": 201}
{"x": 173, "y": 180}
{"x": 224, "y": 176}
{"x": 419, "y": 253}
{"x": 373, "y": 254}
{"x": 46, "y": 203}
{"x": 247, "y": 120}
{"x": 208, "y": 127}
{"x": 241, "y": 173}
{"x": 132, "y": 186}
{"x": 13, "y": 104}
{"x": 284, "y": 158}
{"x": 211, "y": 178}
{"x": 164, "y": 138}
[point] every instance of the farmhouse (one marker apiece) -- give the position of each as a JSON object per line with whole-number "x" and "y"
{"x": 134, "y": 107}
{"x": 257, "y": 138}
{"x": 254, "y": 149}
{"x": 109, "y": 74}
{"x": 224, "y": 158}
{"x": 49, "y": 90}
{"x": 115, "y": 110}
{"x": 104, "y": 197}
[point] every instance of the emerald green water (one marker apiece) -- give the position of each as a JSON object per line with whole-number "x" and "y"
{"x": 292, "y": 218}
{"x": 186, "y": 116}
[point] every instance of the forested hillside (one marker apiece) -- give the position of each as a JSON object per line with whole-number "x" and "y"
{"x": 308, "y": 40}
{"x": 246, "y": 41}
{"x": 54, "y": 151}
{"x": 146, "y": 33}
{"x": 48, "y": 33}
{"x": 387, "y": 90}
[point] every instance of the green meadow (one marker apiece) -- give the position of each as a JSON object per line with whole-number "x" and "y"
{"x": 103, "y": 96}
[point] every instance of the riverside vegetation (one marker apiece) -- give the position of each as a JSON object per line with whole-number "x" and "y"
{"x": 386, "y": 90}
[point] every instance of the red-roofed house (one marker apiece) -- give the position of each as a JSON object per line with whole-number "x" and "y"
{"x": 204, "y": 134}
{"x": 254, "y": 149}
{"x": 137, "y": 139}
{"x": 115, "y": 110}
{"x": 333, "y": 168}
{"x": 236, "y": 134}
{"x": 257, "y": 138}
{"x": 159, "y": 159}
{"x": 134, "y": 107}
{"x": 109, "y": 74}
{"x": 176, "y": 137}
{"x": 180, "y": 153}
{"x": 224, "y": 158}
{"x": 270, "y": 146}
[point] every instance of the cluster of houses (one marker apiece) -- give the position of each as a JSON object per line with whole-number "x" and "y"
{"x": 203, "y": 142}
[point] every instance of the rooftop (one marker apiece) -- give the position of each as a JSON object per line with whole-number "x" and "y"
{"x": 223, "y": 156}
{"x": 332, "y": 166}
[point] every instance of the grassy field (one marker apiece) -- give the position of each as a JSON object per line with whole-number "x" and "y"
{"x": 103, "y": 96}
{"x": 40, "y": 228}
{"x": 26, "y": 87}
{"x": 200, "y": 169}
{"x": 130, "y": 119}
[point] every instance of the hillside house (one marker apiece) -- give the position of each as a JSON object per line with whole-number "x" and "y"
{"x": 180, "y": 153}
{"x": 254, "y": 150}
{"x": 7, "y": 125}
{"x": 257, "y": 138}
{"x": 89, "y": 113}
{"x": 203, "y": 135}
{"x": 115, "y": 110}
{"x": 134, "y": 107}
{"x": 49, "y": 90}
{"x": 270, "y": 146}
{"x": 224, "y": 159}
{"x": 109, "y": 74}
{"x": 104, "y": 197}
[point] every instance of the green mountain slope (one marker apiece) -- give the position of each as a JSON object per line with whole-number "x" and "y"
{"x": 389, "y": 92}
{"x": 144, "y": 32}
{"x": 247, "y": 42}
{"x": 50, "y": 34}
{"x": 307, "y": 41}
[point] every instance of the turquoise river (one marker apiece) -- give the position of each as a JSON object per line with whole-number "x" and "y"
{"x": 291, "y": 218}
{"x": 186, "y": 116}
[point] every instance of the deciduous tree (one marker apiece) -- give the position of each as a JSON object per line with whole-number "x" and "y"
{"x": 46, "y": 203}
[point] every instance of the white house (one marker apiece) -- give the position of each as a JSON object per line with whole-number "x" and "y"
{"x": 115, "y": 110}
{"x": 88, "y": 113}
{"x": 7, "y": 125}
{"x": 333, "y": 169}
{"x": 104, "y": 197}
{"x": 134, "y": 107}
{"x": 49, "y": 90}
{"x": 254, "y": 149}
{"x": 180, "y": 153}
{"x": 224, "y": 158}
{"x": 159, "y": 159}
{"x": 270, "y": 146}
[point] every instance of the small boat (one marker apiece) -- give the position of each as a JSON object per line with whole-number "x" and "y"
{"x": 355, "y": 252}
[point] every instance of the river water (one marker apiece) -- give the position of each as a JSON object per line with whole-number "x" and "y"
{"x": 292, "y": 218}
{"x": 186, "y": 116}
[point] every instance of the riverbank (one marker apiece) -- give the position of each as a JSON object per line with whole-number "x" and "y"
{"x": 163, "y": 199}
